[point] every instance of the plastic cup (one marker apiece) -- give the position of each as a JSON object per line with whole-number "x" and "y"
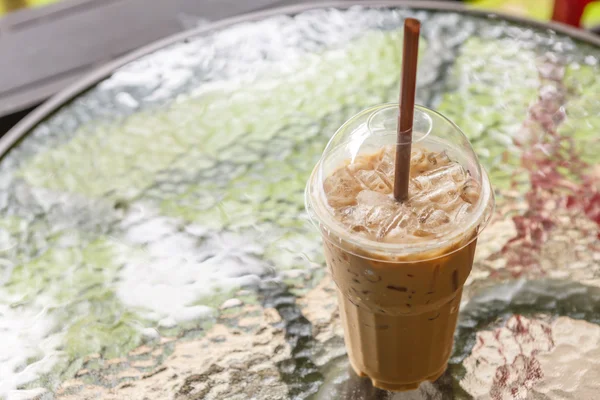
{"x": 399, "y": 302}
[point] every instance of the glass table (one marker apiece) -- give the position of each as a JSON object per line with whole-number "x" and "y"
{"x": 153, "y": 240}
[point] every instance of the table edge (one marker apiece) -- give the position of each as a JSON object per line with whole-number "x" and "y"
{"x": 20, "y": 130}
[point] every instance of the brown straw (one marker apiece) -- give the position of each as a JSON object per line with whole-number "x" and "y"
{"x": 407, "y": 107}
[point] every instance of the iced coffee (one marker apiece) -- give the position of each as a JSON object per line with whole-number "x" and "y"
{"x": 399, "y": 267}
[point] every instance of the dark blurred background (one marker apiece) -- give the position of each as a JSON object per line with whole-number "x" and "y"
{"x": 47, "y": 44}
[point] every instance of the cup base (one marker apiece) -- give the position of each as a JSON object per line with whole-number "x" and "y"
{"x": 400, "y": 387}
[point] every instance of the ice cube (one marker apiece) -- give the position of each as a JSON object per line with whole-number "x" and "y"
{"x": 387, "y": 162}
{"x": 390, "y": 224}
{"x": 438, "y": 159}
{"x": 378, "y": 207}
{"x": 403, "y": 224}
{"x": 432, "y": 159}
{"x": 373, "y": 180}
{"x": 414, "y": 186}
{"x": 424, "y": 214}
{"x": 362, "y": 162}
{"x": 449, "y": 172}
{"x": 436, "y": 219}
{"x": 344, "y": 214}
{"x": 375, "y": 212}
{"x": 452, "y": 205}
{"x": 356, "y": 217}
{"x": 373, "y": 198}
{"x": 431, "y": 218}
{"x": 341, "y": 188}
{"x": 444, "y": 192}
{"x": 381, "y": 216}
{"x": 462, "y": 212}
{"x": 470, "y": 191}
{"x": 418, "y": 162}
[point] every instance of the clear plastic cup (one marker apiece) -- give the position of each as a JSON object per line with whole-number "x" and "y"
{"x": 399, "y": 302}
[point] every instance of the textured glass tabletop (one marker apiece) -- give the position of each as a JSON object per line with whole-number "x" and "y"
{"x": 154, "y": 245}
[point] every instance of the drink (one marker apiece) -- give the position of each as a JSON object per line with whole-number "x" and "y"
{"x": 399, "y": 267}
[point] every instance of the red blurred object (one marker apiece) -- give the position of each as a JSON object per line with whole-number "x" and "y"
{"x": 569, "y": 11}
